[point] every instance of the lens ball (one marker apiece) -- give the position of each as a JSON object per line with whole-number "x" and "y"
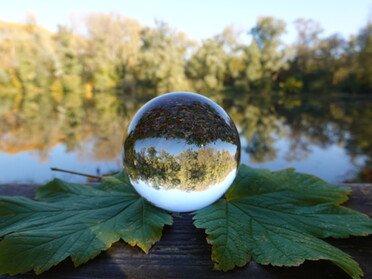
{"x": 182, "y": 151}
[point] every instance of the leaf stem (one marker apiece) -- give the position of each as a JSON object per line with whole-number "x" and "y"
{"x": 77, "y": 173}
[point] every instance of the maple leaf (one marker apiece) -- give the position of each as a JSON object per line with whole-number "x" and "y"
{"x": 278, "y": 218}
{"x": 74, "y": 220}
{"x": 272, "y": 218}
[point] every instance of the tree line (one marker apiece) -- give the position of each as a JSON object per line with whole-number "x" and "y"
{"x": 190, "y": 170}
{"x": 307, "y": 122}
{"x": 115, "y": 52}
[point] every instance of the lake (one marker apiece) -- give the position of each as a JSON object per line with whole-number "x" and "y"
{"x": 328, "y": 136}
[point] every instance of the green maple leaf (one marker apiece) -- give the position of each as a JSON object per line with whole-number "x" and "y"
{"x": 77, "y": 221}
{"x": 278, "y": 218}
{"x": 272, "y": 218}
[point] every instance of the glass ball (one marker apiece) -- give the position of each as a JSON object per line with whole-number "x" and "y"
{"x": 182, "y": 151}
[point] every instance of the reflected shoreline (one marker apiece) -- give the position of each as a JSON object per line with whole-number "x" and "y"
{"x": 190, "y": 170}
{"x": 310, "y": 126}
{"x": 176, "y": 146}
{"x": 183, "y": 201}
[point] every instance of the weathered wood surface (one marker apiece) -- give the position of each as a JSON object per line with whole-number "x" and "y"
{"x": 184, "y": 253}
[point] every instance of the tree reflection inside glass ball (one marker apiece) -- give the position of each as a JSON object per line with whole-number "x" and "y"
{"x": 182, "y": 151}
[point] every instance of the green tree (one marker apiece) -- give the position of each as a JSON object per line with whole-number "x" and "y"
{"x": 364, "y": 41}
{"x": 207, "y": 66}
{"x": 111, "y": 52}
{"x": 162, "y": 59}
{"x": 69, "y": 68}
{"x": 32, "y": 55}
{"x": 273, "y": 56}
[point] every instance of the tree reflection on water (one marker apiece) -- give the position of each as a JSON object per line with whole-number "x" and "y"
{"x": 179, "y": 141}
{"x": 39, "y": 123}
{"x": 191, "y": 170}
{"x": 57, "y": 87}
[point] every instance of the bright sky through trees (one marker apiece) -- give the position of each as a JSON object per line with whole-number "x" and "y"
{"x": 200, "y": 19}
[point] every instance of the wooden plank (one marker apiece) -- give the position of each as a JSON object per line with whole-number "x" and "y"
{"x": 184, "y": 253}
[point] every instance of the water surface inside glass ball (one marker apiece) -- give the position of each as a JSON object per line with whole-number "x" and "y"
{"x": 182, "y": 151}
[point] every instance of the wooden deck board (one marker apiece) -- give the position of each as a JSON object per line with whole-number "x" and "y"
{"x": 184, "y": 253}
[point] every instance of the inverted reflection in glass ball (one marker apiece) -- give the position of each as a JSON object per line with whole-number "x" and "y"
{"x": 182, "y": 151}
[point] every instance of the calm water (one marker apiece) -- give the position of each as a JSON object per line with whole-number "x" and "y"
{"x": 326, "y": 136}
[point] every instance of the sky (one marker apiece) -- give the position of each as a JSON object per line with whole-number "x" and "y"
{"x": 200, "y": 19}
